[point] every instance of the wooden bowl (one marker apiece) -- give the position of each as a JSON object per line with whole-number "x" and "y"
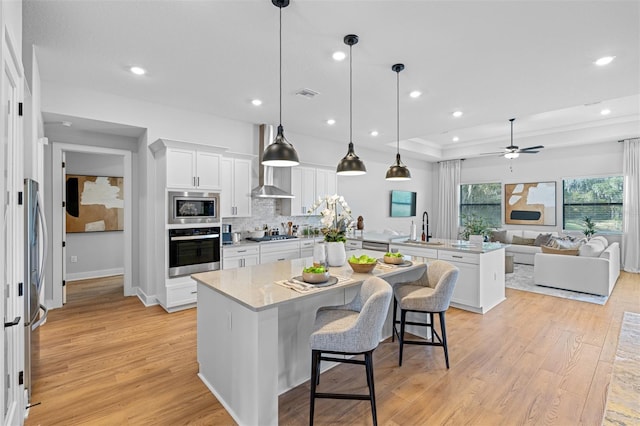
{"x": 394, "y": 260}
{"x": 362, "y": 268}
{"x": 312, "y": 278}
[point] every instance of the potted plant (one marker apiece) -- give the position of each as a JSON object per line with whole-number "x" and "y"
{"x": 336, "y": 220}
{"x": 589, "y": 227}
{"x": 475, "y": 225}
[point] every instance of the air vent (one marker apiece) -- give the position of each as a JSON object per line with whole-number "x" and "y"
{"x": 307, "y": 93}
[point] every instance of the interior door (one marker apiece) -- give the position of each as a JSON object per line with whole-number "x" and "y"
{"x": 63, "y": 185}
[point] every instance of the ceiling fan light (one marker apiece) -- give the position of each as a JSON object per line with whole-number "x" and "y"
{"x": 511, "y": 155}
{"x": 351, "y": 164}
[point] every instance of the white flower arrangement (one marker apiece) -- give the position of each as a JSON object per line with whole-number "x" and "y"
{"x": 335, "y": 225}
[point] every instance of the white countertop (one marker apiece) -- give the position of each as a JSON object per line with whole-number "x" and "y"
{"x": 452, "y": 245}
{"x": 255, "y": 286}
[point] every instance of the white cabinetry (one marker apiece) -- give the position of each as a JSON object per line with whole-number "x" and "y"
{"x": 307, "y": 184}
{"x": 240, "y": 256}
{"x": 192, "y": 169}
{"x": 353, "y": 245}
{"x": 181, "y": 293}
{"x": 236, "y": 187}
{"x": 276, "y": 251}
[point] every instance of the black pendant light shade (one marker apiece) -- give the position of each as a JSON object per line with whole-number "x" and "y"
{"x": 351, "y": 164}
{"x": 398, "y": 171}
{"x": 280, "y": 153}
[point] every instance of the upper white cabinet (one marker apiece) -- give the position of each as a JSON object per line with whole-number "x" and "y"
{"x": 307, "y": 184}
{"x": 190, "y": 169}
{"x": 236, "y": 187}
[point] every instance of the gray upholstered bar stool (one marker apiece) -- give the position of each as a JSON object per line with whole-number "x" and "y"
{"x": 351, "y": 329}
{"x": 430, "y": 294}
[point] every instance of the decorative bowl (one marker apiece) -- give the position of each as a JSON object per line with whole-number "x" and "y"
{"x": 362, "y": 268}
{"x": 393, "y": 260}
{"x": 256, "y": 234}
{"x": 313, "y": 278}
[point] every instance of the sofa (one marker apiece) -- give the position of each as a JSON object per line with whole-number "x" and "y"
{"x": 594, "y": 268}
{"x": 527, "y": 243}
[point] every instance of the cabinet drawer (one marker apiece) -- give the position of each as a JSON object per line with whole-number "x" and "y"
{"x": 456, "y": 256}
{"x": 353, "y": 245}
{"x": 415, "y": 251}
{"x": 306, "y": 244}
{"x": 280, "y": 255}
{"x": 182, "y": 293}
{"x": 279, "y": 246}
{"x": 240, "y": 251}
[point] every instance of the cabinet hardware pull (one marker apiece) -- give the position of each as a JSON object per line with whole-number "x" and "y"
{"x": 198, "y": 181}
{"x": 241, "y": 251}
{"x": 16, "y": 321}
{"x": 457, "y": 257}
{"x": 281, "y": 259}
{"x": 194, "y": 292}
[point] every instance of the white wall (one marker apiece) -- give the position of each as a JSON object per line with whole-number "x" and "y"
{"x": 98, "y": 253}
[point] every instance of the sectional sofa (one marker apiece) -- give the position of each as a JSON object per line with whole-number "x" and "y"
{"x": 522, "y": 253}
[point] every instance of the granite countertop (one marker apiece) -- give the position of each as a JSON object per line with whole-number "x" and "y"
{"x": 452, "y": 245}
{"x": 255, "y": 287}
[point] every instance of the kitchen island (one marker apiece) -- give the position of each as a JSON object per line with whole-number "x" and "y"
{"x": 480, "y": 284}
{"x": 253, "y": 334}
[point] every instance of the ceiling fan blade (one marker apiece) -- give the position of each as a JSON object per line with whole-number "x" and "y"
{"x": 493, "y": 153}
{"x": 531, "y": 147}
{"x": 528, "y": 152}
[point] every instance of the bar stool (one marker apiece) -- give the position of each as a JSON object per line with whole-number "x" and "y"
{"x": 351, "y": 329}
{"x": 430, "y": 294}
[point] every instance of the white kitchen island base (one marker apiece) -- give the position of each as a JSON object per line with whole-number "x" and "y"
{"x": 254, "y": 347}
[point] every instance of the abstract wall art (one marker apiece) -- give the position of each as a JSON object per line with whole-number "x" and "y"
{"x": 94, "y": 203}
{"x": 530, "y": 203}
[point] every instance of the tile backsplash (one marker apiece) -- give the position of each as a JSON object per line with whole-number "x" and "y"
{"x": 264, "y": 211}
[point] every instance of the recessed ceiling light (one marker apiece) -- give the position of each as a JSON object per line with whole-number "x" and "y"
{"x": 457, "y": 114}
{"x": 605, "y": 60}
{"x": 455, "y": 139}
{"x": 256, "y": 102}
{"x": 339, "y": 56}
{"x": 138, "y": 70}
{"x": 415, "y": 94}
{"x": 605, "y": 111}
{"x": 331, "y": 122}
{"x": 374, "y": 133}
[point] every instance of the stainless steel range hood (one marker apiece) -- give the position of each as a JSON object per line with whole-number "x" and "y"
{"x": 265, "y": 188}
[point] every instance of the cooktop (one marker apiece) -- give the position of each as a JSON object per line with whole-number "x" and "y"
{"x": 272, "y": 238}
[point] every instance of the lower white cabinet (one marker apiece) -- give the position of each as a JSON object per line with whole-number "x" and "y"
{"x": 182, "y": 293}
{"x": 276, "y": 251}
{"x": 241, "y": 256}
{"x": 353, "y": 245}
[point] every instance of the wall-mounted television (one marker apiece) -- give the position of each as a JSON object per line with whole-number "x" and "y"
{"x": 403, "y": 204}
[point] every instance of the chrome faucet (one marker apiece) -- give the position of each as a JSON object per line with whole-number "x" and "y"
{"x": 425, "y": 226}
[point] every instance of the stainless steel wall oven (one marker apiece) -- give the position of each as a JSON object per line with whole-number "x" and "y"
{"x": 193, "y": 250}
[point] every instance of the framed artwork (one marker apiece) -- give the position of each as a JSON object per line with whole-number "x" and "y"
{"x": 94, "y": 203}
{"x": 530, "y": 203}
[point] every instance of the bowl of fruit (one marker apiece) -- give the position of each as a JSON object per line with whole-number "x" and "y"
{"x": 394, "y": 258}
{"x": 315, "y": 275}
{"x": 362, "y": 264}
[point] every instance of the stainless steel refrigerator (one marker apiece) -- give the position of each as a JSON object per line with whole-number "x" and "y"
{"x": 35, "y": 242}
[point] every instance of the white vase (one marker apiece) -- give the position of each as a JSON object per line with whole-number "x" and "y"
{"x": 336, "y": 254}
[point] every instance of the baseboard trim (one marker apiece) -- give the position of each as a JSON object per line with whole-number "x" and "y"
{"x": 146, "y": 300}
{"x": 94, "y": 274}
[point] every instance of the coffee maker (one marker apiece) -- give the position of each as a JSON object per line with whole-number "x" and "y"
{"x": 226, "y": 234}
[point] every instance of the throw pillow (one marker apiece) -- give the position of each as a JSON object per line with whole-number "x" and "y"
{"x": 593, "y": 248}
{"x": 542, "y": 240}
{"x": 499, "y": 236}
{"x": 522, "y": 241}
{"x": 551, "y": 250}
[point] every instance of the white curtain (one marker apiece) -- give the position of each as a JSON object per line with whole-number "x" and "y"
{"x": 446, "y": 226}
{"x": 631, "y": 216}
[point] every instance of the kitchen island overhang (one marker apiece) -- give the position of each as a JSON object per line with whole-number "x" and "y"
{"x": 253, "y": 334}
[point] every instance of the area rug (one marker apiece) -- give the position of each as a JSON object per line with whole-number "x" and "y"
{"x": 522, "y": 279}
{"x": 623, "y": 401}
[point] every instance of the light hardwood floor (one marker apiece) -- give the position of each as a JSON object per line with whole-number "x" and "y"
{"x": 534, "y": 359}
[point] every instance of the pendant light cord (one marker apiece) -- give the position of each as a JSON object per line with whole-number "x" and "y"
{"x": 398, "y": 112}
{"x": 350, "y": 93}
{"x": 280, "y": 36}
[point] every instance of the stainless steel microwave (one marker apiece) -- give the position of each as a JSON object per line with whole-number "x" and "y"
{"x": 194, "y": 207}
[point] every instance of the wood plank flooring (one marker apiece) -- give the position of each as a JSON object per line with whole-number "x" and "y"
{"x": 534, "y": 359}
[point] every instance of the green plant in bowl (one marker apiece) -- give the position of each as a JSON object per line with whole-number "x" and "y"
{"x": 393, "y": 258}
{"x": 315, "y": 275}
{"x": 363, "y": 263}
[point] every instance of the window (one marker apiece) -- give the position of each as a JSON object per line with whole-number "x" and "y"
{"x": 597, "y": 198}
{"x": 482, "y": 200}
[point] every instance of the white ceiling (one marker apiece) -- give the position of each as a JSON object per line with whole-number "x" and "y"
{"x": 494, "y": 60}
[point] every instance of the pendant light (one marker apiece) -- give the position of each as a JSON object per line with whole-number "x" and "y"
{"x": 351, "y": 164}
{"x": 398, "y": 171}
{"x": 280, "y": 153}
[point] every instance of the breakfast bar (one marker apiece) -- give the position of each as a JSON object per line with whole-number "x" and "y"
{"x": 253, "y": 332}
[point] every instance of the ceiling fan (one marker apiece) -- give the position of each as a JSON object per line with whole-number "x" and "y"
{"x": 513, "y": 151}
